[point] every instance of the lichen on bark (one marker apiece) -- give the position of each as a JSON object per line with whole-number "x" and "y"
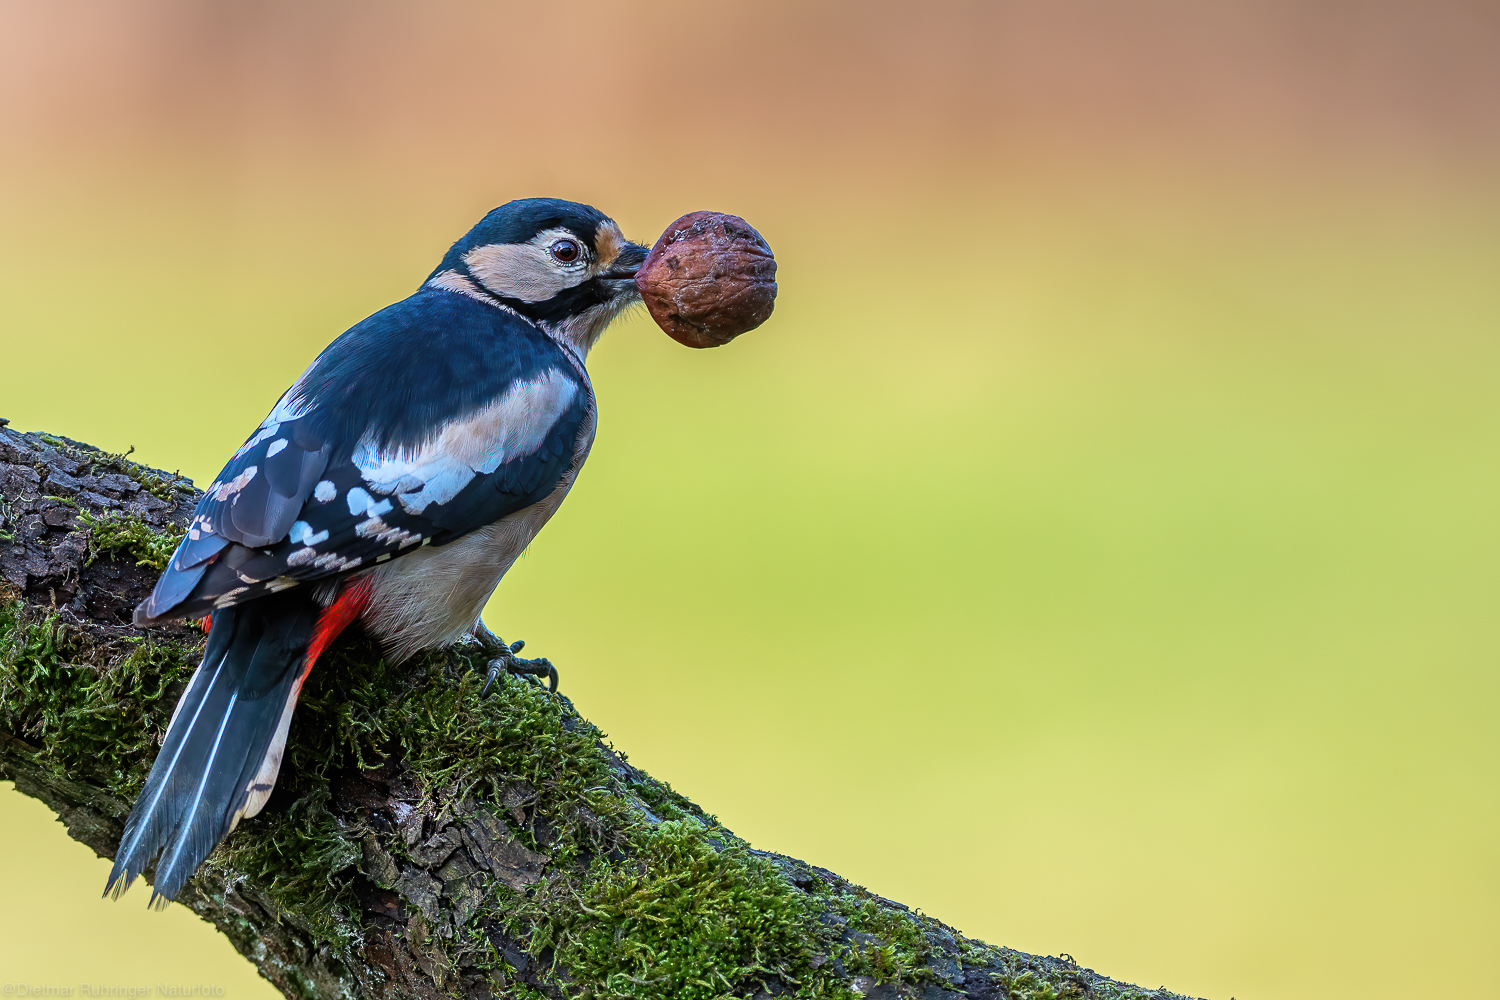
{"x": 422, "y": 840}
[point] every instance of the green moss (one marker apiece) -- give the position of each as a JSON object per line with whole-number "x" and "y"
{"x": 643, "y": 896}
{"x": 296, "y": 857}
{"x": 460, "y": 746}
{"x": 683, "y": 917}
{"x": 668, "y": 803}
{"x": 887, "y": 944}
{"x": 523, "y": 992}
{"x": 162, "y": 485}
{"x": 117, "y": 535}
{"x": 465, "y": 746}
{"x": 94, "y": 709}
{"x": 358, "y": 710}
{"x": 1017, "y": 981}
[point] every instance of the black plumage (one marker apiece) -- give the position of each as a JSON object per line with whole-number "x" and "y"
{"x": 389, "y": 381}
{"x": 437, "y": 416}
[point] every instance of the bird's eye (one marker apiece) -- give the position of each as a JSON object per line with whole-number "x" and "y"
{"x": 566, "y": 251}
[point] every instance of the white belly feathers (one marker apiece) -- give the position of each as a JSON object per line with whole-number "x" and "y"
{"x": 432, "y": 596}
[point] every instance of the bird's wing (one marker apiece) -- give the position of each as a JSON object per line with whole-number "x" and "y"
{"x": 322, "y": 488}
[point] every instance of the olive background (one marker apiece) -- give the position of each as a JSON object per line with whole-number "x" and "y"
{"x": 1098, "y": 547}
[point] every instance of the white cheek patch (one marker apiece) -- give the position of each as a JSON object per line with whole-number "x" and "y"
{"x": 519, "y": 272}
{"x": 526, "y": 271}
{"x": 509, "y": 428}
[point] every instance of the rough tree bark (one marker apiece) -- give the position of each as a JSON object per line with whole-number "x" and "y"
{"x": 423, "y": 841}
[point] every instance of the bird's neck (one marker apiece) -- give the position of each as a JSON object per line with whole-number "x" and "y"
{"x": 462, "y": 284}
{"x": 578, "y": 334}
{"x": 581, "y": 332}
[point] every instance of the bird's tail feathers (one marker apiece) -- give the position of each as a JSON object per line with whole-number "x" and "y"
{"x": 223, "y": 747}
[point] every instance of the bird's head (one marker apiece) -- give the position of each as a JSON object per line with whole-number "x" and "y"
{"x": 563, "y": 265}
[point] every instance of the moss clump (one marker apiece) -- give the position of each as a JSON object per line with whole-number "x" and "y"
{"x": 117, "y": 535}
{"x": 298, "y": 859}
{"x": 1020, "y": 979}
{"x": 519, "y": 736}
{"x": 885, "y": 944}
{"x": 459, "y": 746}
{"x": 1029, "y": 986}
{"x": 683, "y": 917}
{"x": 668, "y": 803}
{"x": 94, "y": 709}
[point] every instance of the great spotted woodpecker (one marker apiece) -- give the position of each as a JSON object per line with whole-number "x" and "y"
{"x": 393, "y": 484}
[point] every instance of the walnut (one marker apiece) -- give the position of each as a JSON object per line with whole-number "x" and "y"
{"x": 710, "y": 278}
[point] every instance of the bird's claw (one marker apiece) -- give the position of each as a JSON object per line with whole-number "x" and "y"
{"x": 515, "y": 665}
{"x": 506, "y": 661}
{"x": 496, "y": 669}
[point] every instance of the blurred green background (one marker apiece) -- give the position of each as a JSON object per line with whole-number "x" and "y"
{"x": 1097, "y": 550}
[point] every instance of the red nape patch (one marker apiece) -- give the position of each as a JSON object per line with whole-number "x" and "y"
{"x": 339, "y": 616}
{"x": 206, "y": 623}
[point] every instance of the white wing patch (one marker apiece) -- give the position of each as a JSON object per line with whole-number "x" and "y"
{"x": 265, "y": 431}
{"x": 222, "y": 491}
{"x": 479, "y": 443}
{"x": 358, "y": 500}
{"x": 302, "y": 534}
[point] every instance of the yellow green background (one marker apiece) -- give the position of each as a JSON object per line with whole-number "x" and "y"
{"x": 1098, "y": 548}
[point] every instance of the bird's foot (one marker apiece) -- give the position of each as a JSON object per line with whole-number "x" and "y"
{"x": 504, "y": 660}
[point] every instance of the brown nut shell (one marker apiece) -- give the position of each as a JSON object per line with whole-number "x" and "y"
{"x": 710, "y": 278}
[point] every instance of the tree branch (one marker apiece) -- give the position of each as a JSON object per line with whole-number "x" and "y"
{"x": 422, "y": 840}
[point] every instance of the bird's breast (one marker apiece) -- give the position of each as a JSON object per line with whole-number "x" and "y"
{"x": 433, "y": 596}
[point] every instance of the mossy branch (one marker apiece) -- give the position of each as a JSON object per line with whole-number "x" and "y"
{"x": 423, "y": 840}
{"x": 130, "y": 538}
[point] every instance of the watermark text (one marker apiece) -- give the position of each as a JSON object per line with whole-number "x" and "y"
{"x": 128, "y": 991}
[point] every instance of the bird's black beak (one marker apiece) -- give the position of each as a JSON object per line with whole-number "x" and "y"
{"x": 632, "y": 256}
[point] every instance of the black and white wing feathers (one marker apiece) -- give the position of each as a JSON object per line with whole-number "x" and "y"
{"x": 325, "y": 487}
